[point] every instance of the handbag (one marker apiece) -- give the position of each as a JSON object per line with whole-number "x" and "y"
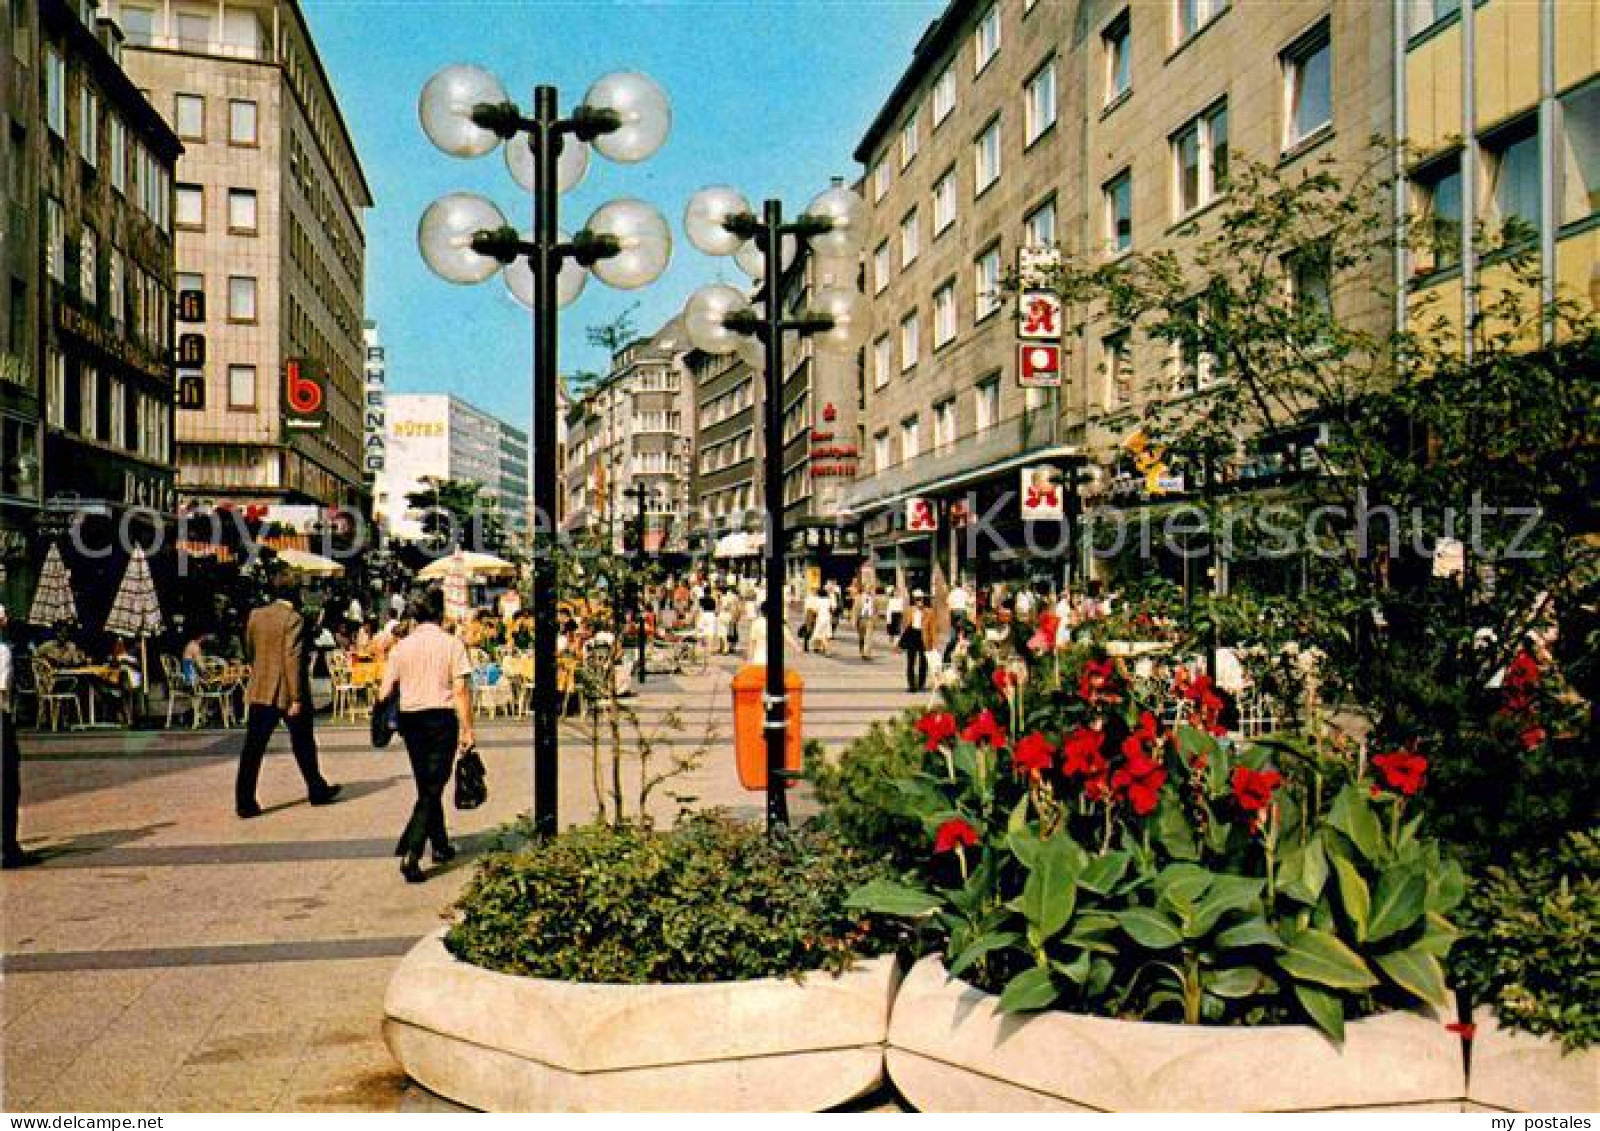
{"x": 385, "y": 719}
{"x": 472, "y": 781}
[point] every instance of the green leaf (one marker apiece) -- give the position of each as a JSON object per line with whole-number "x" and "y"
{"x": 1182, "y": 884}
{"x": 1326, "y": 1009}
{"x": 1030, "y": 990}
{"x": 1025, "y": 845}
{"x": 1314, "y": 869}
{"x": 1018, "y": 821}
{"x": 1318, "y": 956}
{"x": 1226, "y": 894}
{"x": 1439, "y": 936}
{"x": 1050, "y": 892}
{"x": 1447, "y": 886}
{"x": 885, "y": 897}
{"x": 1150, "y": 928}
{"x": 1076, "y": 971}
{"x": 1398, "y": 903}
{"x": 1235, "y": 982}
{"x": 1416, "y": 970}
{"x": 1352, "y": 815}
{"x": 1104, "y": 872}
{"x": 1000, "y": 940}
{"x": 1251, "y": 932}
{"x": 1353, "y": 895}
{"x": 1174, "y": 833}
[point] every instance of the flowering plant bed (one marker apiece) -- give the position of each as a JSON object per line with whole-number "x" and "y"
{"x": 1099, "y": 845}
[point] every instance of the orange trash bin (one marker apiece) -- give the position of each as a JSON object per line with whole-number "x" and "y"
{"x": 749, "y": 715}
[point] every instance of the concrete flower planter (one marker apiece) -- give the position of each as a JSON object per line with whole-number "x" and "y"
{"x": 498, "y": 1042}
{"x": 1520, "y": 1072}
{"x": 950, "y": 1049}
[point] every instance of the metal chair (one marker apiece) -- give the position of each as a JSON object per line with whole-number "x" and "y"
{"x": 214, "y": 688}
{"x": 54, "y": 694}
{"x": 348, "y": 695}
{"x": 178, "y": 687}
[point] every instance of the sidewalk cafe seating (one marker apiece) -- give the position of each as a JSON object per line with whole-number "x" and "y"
{"x": 54, "y": 695}
{"x": 215, "y": 689}
{"x": 179, "y": 688}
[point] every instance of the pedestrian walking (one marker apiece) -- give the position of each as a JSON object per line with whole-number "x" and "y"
{"x": 896, "y": 611}
{"x": 432, "y": 674}
{"x": 279, "y": 688}
{"x": 10, "y": 760}
{"x": 914, "y": 644}
{"x": 866, "y": 621}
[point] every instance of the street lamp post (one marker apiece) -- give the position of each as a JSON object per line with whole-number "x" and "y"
{"x": 720, "y": 319}
{"x": 638, "y": 492}
{"x": 465, "y": 239}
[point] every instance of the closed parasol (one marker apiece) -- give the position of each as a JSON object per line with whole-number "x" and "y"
{"x": 52, "y": 601}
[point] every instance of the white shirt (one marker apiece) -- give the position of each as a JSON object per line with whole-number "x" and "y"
{"x": 959, "y": 599}
{"x": 5, "y": 675}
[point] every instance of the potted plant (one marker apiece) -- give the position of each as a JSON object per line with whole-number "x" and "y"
{"x": 615, "y": 967}
{"x": 1118, "y": 905}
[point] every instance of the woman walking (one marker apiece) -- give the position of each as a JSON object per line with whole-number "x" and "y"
{"x": 914, "y": 643}
{"x": 432, "y": 673}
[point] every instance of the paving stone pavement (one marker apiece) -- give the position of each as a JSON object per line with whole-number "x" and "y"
{"x": 167, "y": 956}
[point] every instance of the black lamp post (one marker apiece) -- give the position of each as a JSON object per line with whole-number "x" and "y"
{"x": 465, "y": 239}
{"x": 719, "y": 221}
{"x": 638, "y": 492}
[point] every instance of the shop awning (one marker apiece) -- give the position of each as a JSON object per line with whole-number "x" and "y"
{"x": 739, "y": 544}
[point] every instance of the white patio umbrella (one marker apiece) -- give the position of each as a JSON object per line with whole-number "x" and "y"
{"x": 457, "y": 599}
{"x": 52, "y": 601}
{"x": 136, "y": 611}
{"x": 469, "y": 564}
{"x": 304, "y": 561}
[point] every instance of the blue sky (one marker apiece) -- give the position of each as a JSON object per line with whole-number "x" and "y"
{"x": 767, "y": 95}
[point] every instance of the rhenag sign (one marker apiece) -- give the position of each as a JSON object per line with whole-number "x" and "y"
{"x": 374, "y": 452}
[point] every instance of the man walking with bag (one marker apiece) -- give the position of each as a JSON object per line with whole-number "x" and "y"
{"x": 279, "y": 688}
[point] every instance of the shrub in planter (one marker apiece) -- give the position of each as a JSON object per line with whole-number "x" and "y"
{"x": 709, "y": 900}
{"x": 1531, "y": 947}
{"x": 1094, "y": 844}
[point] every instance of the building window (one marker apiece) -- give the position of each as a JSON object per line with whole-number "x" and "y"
{"x": 944, "y": 314}
{"x": 1039, "y": 103}
{"x": 89, "y": 125}
{"x": 1308, "y": 87}
{"x": 1511, "y": 158}
{"x": 944, "y": 423}
{"x": 1039, "y": 227}
{"x": 944, "y": 95}
{"x": 944, "y": 201}
{"x": 55, "y": 250}
{"x": 880, "y": 268}
{"x": 194, "y": 29}
{"x": 986, "y": 404}
{"x": 882, "y": 361}
{"x": 986, "y": 157}
{"x": 910, "y": 239}
{"x": 137, "y": 23}
{"x": 910, "y": 341}
{"x": 116, "y": 287}
{"x": 1197, "y": 368}
{"x": 1308, "y": 273}
{"x": 191, "y": 211}
{"x": 1200, "y": 160}
{"x": 1117, "y": 44}
{"x": 880, "y": 179}
{"x": 1423, "y": 14}
{"x": 241, "y": 210}
{"x": 1436, "y": 192}
{"x": 1580, "y": 153}
{"x": 55, "y": 91}
{"x": 241, "y": 386}
{"x": 986, "y": 41}
{"x": 191, "y": 281}
{"x": 882, "y": 457}
{"x": 910, "y": 438}
{"x": 1118, "y": 368}
{"x": 117, "y": 151}
{"x": 89, "y": 267}
{"x": 909, "y": 139}
{"x": 986, "y": 283}
{"x": 241, "y": 122}
{"x": 241, "y": 298}
{"x": 55, "y": 388}
{"x": 88, "y": 402}
{"x": 1194, "y": 15}
{"x": 1119, "y": 212}
{"x": 190, "y": 117}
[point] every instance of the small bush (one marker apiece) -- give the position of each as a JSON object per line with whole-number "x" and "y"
{"x": 1531, "y": 941}
{"x": 710, "y": 900}
{"x": 857, "y": 792}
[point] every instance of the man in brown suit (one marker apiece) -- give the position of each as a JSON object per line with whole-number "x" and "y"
{"x": 280, "y": 687}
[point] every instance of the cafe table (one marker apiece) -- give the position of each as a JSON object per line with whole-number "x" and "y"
{"x": 93, "y": 676}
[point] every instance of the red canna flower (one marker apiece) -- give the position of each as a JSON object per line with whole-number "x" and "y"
{"x": 1139, "y": 782}
{"x": 1044, "y": 634}
{"x": 1253, "y": 789}
{"x": 1034, "y": 754}
{"x": 936, "y": 727}
{"x": 1533, "y": 737}
{"x": 984, "y": 730}
{"x": 1081, "y": 753}
{"x": 1403, "y": 770}
{"x": 1095, "y": 684}
{"x": 1202, "y": 694}
{"x": 1521, "y": 680}
{"x": 954, "y": 833}
{"x": 1005, "y": 681}
{"x": 1137, "y": 744}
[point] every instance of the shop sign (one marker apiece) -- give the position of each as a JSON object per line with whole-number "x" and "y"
{"x": 1042, "y": 494}
{"x": 73, "y": 321}
{"x": 305, "y": 395}
{"x": 191, "y": 306}
{"x": 922, "y": 516}
{"x": 1039, "y": 317}
{"x": 1038, "y": 365}
{"x": 191, "y": 391}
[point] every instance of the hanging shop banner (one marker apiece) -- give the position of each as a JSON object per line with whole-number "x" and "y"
{"x": 1043, "y": 498}
{"x": 922, "y": 517}
{"x": 1036, "y": 266}
{"x": 1039, "y": 316}
{"x": 1038, "y": 365}
{"x": 305, "y": 395}
{"x": 191, "y": 391}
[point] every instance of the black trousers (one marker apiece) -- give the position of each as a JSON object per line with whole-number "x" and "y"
{"x": 430, "y": 738}
{"x": 10, "y": 782}
{"x": 916, "y": 659}
{"x": 261, "y": 721}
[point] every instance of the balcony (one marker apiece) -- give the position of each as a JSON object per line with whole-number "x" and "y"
{"x": 208, "y": 45}
{"x": 1011, "y": 437}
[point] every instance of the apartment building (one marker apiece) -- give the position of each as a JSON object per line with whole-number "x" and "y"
{"x": 271, "y": 251}
{"x": 1098, "y": 127}
{"x": 634, "y": 429}
{"x": 439, "y": 436}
